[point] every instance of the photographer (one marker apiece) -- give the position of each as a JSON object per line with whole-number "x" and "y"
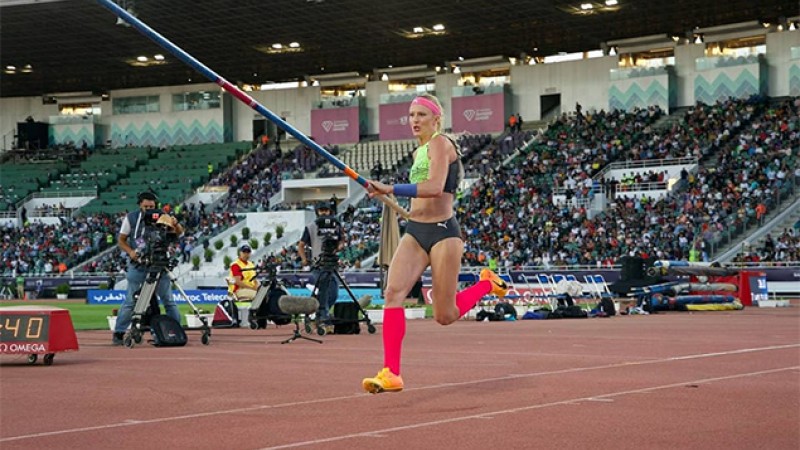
{"x": 325, "y": 237}
{"x": 145, "y": 233}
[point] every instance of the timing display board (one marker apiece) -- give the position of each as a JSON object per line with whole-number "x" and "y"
{"x": 36, "y": 330}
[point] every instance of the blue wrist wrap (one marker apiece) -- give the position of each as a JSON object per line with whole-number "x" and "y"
{"x": 405, "y": 190}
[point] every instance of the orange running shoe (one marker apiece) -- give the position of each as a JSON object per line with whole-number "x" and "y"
{"x": 499, "y": 287}
{"x": 384, "y": 381}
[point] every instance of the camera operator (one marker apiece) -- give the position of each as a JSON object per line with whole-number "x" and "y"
{"x": 139, "y": 226}
{"x": 325, "y": 237}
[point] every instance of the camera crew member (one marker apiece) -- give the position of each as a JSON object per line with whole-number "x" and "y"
{"x": 133, "y": 236}
{"x": 243, "y": 276}
{"x": 325, "y": 228}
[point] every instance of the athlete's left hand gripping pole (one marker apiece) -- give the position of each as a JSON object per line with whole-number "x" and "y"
{"x": 243, "y": 97}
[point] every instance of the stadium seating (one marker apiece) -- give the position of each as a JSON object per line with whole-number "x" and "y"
{"x": 22, "y": 179}
{"x": 749, "y": 166}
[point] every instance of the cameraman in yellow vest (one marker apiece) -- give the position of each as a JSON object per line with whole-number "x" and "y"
{"x": 242, "y": 276}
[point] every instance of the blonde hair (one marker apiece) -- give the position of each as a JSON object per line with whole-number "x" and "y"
{"x": 435, "y": 100}
{"x": 451, "y": 137}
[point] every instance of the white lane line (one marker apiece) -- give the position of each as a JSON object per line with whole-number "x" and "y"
{"x": 607, "y": 397}
{"x": 362, "y": 395}
{"x": 607, "y": 366}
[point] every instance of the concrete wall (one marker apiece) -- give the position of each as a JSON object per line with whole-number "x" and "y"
{"x": 585, "y": 82}
{"x": 293, "y": 104}
{"x": 640, "y": 92}
{"x": 685, "y": 71}
{"x": 16, "y": 109}
{"x": 166, "y": 127}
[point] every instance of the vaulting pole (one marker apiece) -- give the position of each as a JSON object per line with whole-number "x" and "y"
{"x": 243, "y": 97}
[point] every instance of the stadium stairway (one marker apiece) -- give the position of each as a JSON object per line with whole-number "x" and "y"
{"x": 535, "y": 125}
{"x": 216, "y": 264}
{"x": 213, "y": 273}
{"x": 785, "y": 216}
{"x": 666, "y": 122}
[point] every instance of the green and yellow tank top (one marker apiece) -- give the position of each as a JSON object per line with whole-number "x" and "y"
{"x": 420, "y": 170}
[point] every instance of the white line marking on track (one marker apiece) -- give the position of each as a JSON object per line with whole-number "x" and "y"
{"x": 607, "y": 366}
{"x": 608, "y": 396}
{"x": 437, "y": 386}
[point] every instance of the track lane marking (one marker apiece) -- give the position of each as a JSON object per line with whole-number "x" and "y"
{"x": 126, "y": 423}
{"x": 603, "y": 397}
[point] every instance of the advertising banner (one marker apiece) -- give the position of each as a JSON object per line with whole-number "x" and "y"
{"x": 335, "y": 125}
{"x": 394, "y": 122}
{"x": 116, "y": 297}
{"x": 377, "y": 296}
{"x": 758, "y": 287}
{"x": 515, "y": 293}
{"x": 479, "y": 113}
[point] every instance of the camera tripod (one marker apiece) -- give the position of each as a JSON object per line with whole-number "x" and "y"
{"x": 146, "y": 296}
{"x": 326, "y": 269}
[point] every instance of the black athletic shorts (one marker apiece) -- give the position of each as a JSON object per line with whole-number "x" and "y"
{"x": 428, "y": 234}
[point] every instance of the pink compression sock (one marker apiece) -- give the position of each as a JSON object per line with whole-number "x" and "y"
{"x": 466, "y": 299}
{"x": 394, "y": 330}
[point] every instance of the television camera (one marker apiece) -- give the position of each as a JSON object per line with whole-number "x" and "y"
{"x": 161, "y": 231}
{"x": 330, "y": 232}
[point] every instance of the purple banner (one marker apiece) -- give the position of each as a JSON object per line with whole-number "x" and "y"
{"x": 335, "y": 125}
{"x": 394, "y": 122}
{"x": 479, "y": 113}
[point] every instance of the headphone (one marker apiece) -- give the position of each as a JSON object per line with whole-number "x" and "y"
{"x": 146, "y": 195}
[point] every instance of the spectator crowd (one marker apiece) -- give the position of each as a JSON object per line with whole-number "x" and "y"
{"x": 747, "y": 148}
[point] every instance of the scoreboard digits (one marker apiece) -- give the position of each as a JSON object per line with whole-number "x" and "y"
{"x": 23, "y": 328}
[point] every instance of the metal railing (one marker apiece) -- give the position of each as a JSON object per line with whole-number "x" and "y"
{"x": 599, "y": 188}
{"x": 62, "y": 194}
{"x": 644, "y": 164}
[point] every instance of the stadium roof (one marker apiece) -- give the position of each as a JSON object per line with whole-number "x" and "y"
{"x": 75, "y": 45}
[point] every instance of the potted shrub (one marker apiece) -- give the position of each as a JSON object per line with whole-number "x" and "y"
{"x": 208, "y": 254}
{"x": 62, "y": 291}
{"x": 218, "y": 245}
{"x": 279, "y": 231}
{"x": 415, "y": 312}
{"x": 375, "y": 313}
{"x": 267, "y": 238}
{"x": 254, "y": 243}
{"x": 192, "y": 321}
{"x": 245, "y": 233}
{"x": 196, "y": 262}
{"x": 227, "y": 261}
{"x": 234, "y": 240}
{"x": 112, "y": 319}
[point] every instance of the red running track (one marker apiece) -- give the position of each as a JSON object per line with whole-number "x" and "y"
{"x": 677, "y": 380}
